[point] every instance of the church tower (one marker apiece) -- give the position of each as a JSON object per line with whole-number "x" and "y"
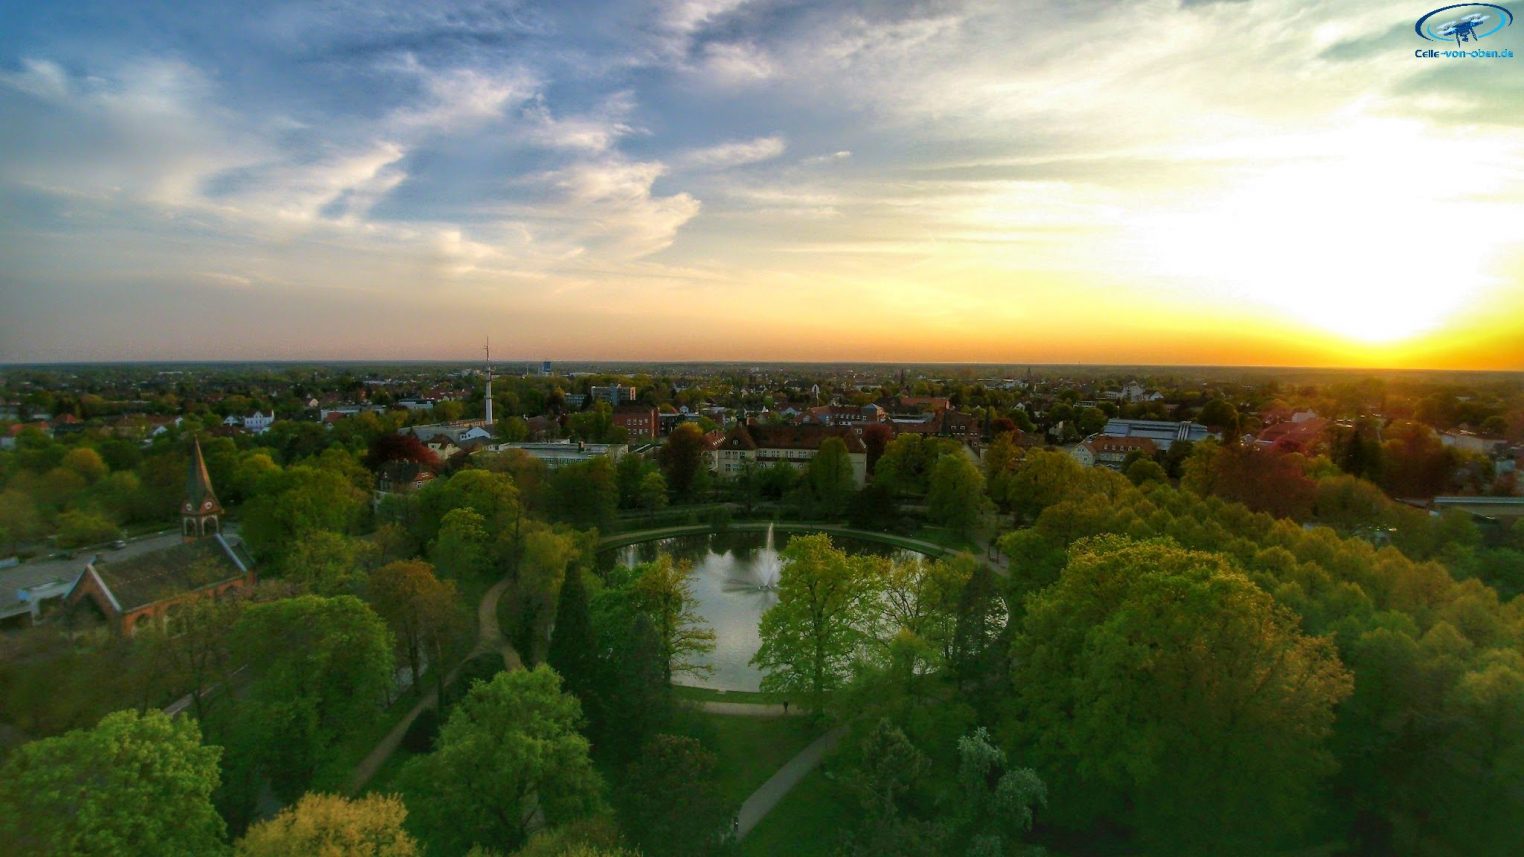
{"x": 488, "y": 348}
{"x": 200, "y": 514}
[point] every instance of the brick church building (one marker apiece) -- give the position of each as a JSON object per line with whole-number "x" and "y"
{"x": 149, "y": 587}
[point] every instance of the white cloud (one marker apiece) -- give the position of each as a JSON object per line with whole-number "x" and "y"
{"x": 734, "y": 154}
{"x": 735, "y": 64}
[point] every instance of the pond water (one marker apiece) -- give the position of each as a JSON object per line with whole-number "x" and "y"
{"x": 734, "y": 578}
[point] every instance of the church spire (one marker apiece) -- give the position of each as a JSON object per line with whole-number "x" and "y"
{"x": 200, "y": 513}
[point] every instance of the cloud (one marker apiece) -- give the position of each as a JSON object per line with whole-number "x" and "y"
{"x": 834, "y": 157}
{"x": 734, "y": 154}
{"x": 735, "y": 64}
{"x": 609, "y": 207}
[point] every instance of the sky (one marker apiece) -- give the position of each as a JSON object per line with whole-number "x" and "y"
{"x": 1259, "y": 182}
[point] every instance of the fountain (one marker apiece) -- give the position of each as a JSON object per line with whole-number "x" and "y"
{"x": 759, "y": 575}
{"x": 735, "y": 580}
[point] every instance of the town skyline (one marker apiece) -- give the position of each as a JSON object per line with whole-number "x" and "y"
{"x": 1177, "y": 183}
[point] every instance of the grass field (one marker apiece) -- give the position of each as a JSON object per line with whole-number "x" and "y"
{"x": 752, "y": 749}
{"x": 808, "y": 822}
{"x": 704, "y": 694}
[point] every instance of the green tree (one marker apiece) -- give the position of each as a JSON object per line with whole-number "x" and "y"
{"x": 510, "y": 747}
{"x": 418, "y": 607}
{"x": 323, "y": 825}
{"x": 829, "y": 477}
{"x": 1044, "y": 478}
{"x": 135, "y": 784}
{"x": 327, "y": 563}
{"x": 461, "y": 551}
{"x": 320, "y": 669}
{"x": 956, "y": 499}
{"x": 669, "y": 800}
{"x": 77, "y": 528}
{"x": 662, "y": 590}
{"x": 584, "y": 495}
{"x": 682, "y": 457}
{"x": 1161, "y": 688}
{"x": 810, "y": 636}
{"x": 295, "y": 502}
{"x": 87, "y": 463}
{"x": 653, "y": 492}
{"x": 573, "y": 648}
{"x": 997, "y": 803}
{"x": 888, "y": 771}
{"x": 1146, "y": 470}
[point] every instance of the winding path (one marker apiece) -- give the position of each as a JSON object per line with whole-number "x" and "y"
{"x": 761, "y": 802}
{"x": 489, "y": 639}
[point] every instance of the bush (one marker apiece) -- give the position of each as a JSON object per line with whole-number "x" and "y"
{"x": 484, "y": 666}
{"x": 420, "y": 734}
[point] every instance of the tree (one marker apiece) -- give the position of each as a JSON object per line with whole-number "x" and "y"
{"x": 327, "y": 563}
{"x": 394, "y": 446}
{"x": 663, "y": 592}
{"x": 889, "y": 769}
{"x": 1146, "y": 470}
{"x": 669, "y": 801}
{"x": 584, "y": 494}
{"x": 1044, "y": 478}
{"x": 829, "y": 476}
{"x": 290, "y": 504}
{"x": 461, "y": 551}
{"x": 320, "y": 668}
{"x": 956, "y": 500}
{"x": 653, "y": 492}
{"x": 416, "y": 605}
{"x": 997, "y": 804}
{"x": 1159, "y": 687}
{"x": 135, "y": 784}
{"x": 629, "y": 474}
{"x": 510, "y": 747}
{"x": 322, "y": 825}
{"x": 19, "y": 521}
{"x": 811, "y": 634}
{"x": 195, "y": 647}
{"x": 876, "y": 439}
{"x": 682, "y": 457}
{"x": 87, "y": 463}
{"x": 573, "y": 645}
{"x": 77, "y": 528}
{"x": 1220, "y": 415}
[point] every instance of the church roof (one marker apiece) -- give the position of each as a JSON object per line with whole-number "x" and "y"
{"x": 199, "y": 498}
{"x": 160, "y": 575}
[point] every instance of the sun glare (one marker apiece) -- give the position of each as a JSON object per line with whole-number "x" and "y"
{"x": 1373, "y": 243}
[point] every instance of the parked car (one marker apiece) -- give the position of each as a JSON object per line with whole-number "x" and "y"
{"x": 119, "y": 544}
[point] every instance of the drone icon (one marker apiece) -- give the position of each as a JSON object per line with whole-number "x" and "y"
{"x": 1470, "y": 23}
{"x": 1463, "y": 29}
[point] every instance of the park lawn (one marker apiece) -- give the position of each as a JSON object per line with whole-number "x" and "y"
{"x": 808, "y": 822}
{"x": 752, "y": 749}
{"x": 704, "y": 694}
{"x": 945, "y": 538}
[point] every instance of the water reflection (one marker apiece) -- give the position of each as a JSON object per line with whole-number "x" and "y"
{"x": 735, "y": 578}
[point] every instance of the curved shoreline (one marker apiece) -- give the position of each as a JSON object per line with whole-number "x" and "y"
{"x": 619, "y": 540}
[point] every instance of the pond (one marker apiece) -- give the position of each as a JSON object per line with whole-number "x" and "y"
{"x": 734, "y": 578}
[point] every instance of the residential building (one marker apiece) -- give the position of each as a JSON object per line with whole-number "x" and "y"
{"x": 1162, "y": 432}
{"x": 1112, "y": 452}
{"x": 639, "y": 421}
{"x": 615, "y": 395}
{"x": 765, "y": 446}
{"x": 559, "y": 453}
